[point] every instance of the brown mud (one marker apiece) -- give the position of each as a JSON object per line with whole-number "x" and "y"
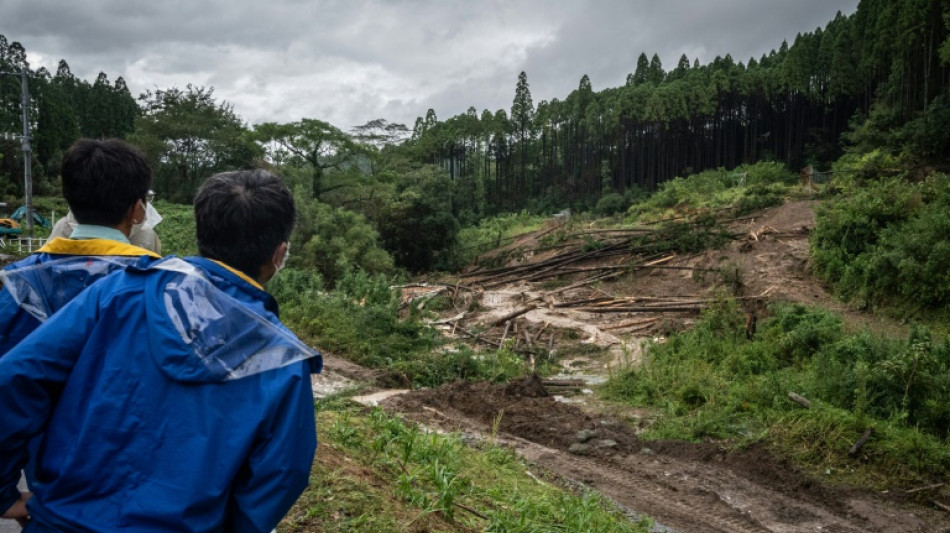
{"x": 685, "y": 487}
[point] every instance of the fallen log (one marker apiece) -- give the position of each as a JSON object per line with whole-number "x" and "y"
{"x": 527, "y": 337}
{"x": 478, "y": 338}
{"x": 643, "y": 309}
{"x": 563, "y": 382}
{"x": 505, "y": 334}
{"x": 582, "y": 283}
{"x": 942, "y": 507}
{"x": 647, "y": 321}
{"x": 540, "y": 331}
{"x": 631, "y": 267}
{"x": 853, "y": 452}
{"x": 928, "y": 487}
{"x": 584, "y": 302}
{"x": 800, "y": 400}
{"x": 514, "y": 314}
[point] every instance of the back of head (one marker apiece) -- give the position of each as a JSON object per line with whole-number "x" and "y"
{"x": 102, "y": 180}
{"x": 242, "y": 217}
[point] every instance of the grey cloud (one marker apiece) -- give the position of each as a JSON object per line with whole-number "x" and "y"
{"x": 351, "y": 61}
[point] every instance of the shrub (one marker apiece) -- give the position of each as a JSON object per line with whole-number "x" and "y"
{"x": 714, "y": 382}
{"x": 611, "y": 204}
{"x": 745, "y": 188}
{"x": 336, "y": 241}
{"x": 888, "y": 242}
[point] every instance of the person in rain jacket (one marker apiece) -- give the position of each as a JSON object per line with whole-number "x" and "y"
{"x": 171, "y": 397}
{"x": 142, "y": 235}
{"x": 105, "y": 183}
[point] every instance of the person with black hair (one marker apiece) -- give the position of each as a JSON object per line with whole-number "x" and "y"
{"x": 105, "y": 183}
{"x": 142, "y": 235}
{"x": 171, "y": 396}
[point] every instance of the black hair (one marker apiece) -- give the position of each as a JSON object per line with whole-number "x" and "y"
{"x": 242, "y": 217}
{"x": 102, "y": 180}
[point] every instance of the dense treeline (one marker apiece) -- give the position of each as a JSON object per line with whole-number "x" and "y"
{"x": 875, "y": 79}
{"x": 886, "y": 61}
{"x": 63, "y": 108}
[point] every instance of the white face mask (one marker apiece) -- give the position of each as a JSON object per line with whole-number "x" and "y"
{"x": 283, "y": 262}
{"x": 152, "y": 217}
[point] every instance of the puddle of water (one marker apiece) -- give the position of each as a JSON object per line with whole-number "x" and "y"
{"x": 574, "y": 399}
{"x": 328, "y": 384}
{"x": 372, "y": 400}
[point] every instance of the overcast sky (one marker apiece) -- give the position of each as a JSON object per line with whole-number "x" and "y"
{"x": 348, "y": 62}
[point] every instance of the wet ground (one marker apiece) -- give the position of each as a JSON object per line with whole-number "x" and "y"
{"x": 561, "y": 428}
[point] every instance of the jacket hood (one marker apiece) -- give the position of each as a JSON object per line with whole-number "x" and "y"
{"x": 204, "y": 327}
{"x": 42, "y": 288}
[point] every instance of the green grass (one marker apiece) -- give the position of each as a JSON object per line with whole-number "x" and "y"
{"x": 885, "y": 246}
{"x": 177, "y": 229}
{"x": 742, "y": 190}
{"x": 492, "y": 233}
{"x": 360, "y": 319}
{"x": 377, "y": 473}
{"x": 713, "y": 383}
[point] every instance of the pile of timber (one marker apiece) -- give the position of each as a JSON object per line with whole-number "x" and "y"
{"x": 616, "y": 251}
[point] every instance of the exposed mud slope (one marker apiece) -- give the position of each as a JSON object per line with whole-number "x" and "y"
{"x": 590, "y": 306}
{"x": 686, "y": 487}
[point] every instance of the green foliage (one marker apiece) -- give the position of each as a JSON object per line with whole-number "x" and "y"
{"x": 491, "y": 233}
{"x": 611, "y": 204}
{"x": 419, "y": 227}
{"x": 684, "y": 237}
{"x": 746, "y": 188}
{"x": 335, "y": 241}
{"x": 360, "y": 320}
{"x": 314, "y": 144}
{"x": 714, "y": 382}
{"x": 429, "y": 475}
{"x": 177, "y": 230}
{"x": 888, "y": 243}
{"x": 188, "y": 136}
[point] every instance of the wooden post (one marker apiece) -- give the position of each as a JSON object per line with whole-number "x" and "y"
{"x": 505, "y": 334}
{"x": 853, "y": 452}
{"x": 800, "y": 400}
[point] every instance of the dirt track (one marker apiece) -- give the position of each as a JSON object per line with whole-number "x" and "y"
{"x": 687, "y": 488}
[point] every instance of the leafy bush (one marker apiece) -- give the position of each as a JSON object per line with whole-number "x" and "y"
{"x": 611, "y": 204}
{"x": 419, "y": 226}
{"x": 177, "y": 230}
{"x": 360, "y": 320}
{"x": 746, "y": 188}
{"x": 714, "y": 382}
{"x": 684, "y": 237}
{"x": 335, "y": 241}
{"x": 491, "y": 233}
{"x": 888, "y": 243}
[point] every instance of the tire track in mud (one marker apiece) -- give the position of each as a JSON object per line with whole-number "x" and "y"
{"x": 637, "y": 492}
{"x": 695, "y": 512}
{"x": 687, "y": 488}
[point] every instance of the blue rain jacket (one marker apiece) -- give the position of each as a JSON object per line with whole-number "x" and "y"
{"x": 39, "y": 285}
{"x": 172, "y": 398}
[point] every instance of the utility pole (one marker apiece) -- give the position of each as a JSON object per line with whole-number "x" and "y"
{"x": 27, "y": 149}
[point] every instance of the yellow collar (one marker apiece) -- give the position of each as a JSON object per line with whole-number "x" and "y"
{"x": 60, "y": 246}
{"x": 239, "y": 274}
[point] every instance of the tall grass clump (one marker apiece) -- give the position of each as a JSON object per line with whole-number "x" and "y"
{"x": 428, "y": 481}
{"x": 888, "y": 244}
{"x": 713, "y": 382}
{"x": 360, "y": 319}
{"x": 744, "y": 189}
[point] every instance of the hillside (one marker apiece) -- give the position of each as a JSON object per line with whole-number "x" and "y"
{"x": 573, "y": 297}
